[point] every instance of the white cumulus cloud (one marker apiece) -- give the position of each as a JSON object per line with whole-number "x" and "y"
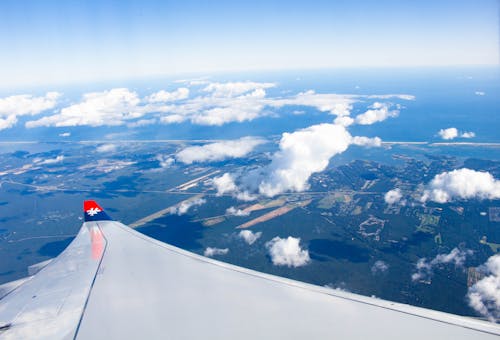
{"x": 65, "y": 134}
{"x": 218, "y": 151}
{"x": 236, "y": 212}
{"x": 393, "y": 196}
{"x": 424, "y": 267}
{"x": 184, "y": 206}
{"x": 366, "y": 141}
{"x": 452, "y": 133}
{"x": 379, "y": 267}
{"x": 449, "y": 133}
{"x": 484, "y": 295}
{"x": 165, "y": 161}
{"x": 301, "y": 154}
{"x": 26, "y": 104}
{"x": 469, "y": 134}
{"x": 462, "y": 184}
{"x": 210, "y": 252}
{"x": 19, "y": 105}
{"x": 224, "y": 184}
{"x": 287, "y": 252}
{"x": 378, "y": 112}
{"x": 249, "y": 237}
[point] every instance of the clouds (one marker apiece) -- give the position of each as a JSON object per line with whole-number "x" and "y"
{"x": 233, "y": 89}
{"x": 301, "y": 154}
{"x": 378, "y": 112}
{"x": 215, "y": 104}
{"x": 449, "y": 133}
{"x": 393, "y": 196}
{"x": 335, "y": 104}
{"x": 26, "y": 104}
{"x": 484, "y": 295}
{"x": 249, "y": 237}
{"x": 469, "y": 134}
{"x": 210, "y": 252}
{"x": 111, "y": 107}
{"x": 19, "y": 105}
{"x": 424, "y": 268}
{"x": 218, "y": 151}
{"x": 164, "y": 96}
{"x": 104, "y": 148}
{"x": 49, "y": 161}
{"x": 452, "y": 133}
{"x": 461, "y": 184}
{"x": 165, "y": 161}
{"x": 224, "y": 184}
{"x": 287, "y": 252}
{"x": 184, "y": 206}
{"x": 365, "y": 141}
{"x": 236, "y": 212}
{"x": 379, "y": 267}
{"x": 219, "y": 104}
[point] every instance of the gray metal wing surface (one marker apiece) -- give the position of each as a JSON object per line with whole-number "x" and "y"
{"x": 115, "y": 283}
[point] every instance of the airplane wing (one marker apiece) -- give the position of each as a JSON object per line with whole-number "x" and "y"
{"x": 115, "y": 283}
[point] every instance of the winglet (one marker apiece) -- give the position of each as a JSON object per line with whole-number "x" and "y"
{"x": 93, "y": 212}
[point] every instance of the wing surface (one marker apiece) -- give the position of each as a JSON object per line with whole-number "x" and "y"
{"x": 115, "y": 283}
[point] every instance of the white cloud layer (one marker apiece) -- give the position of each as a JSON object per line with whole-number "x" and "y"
{"x": 335, "y": 104}
{"x": 233, "y": 89}
{"x": 287, "y": 252}
{"x": 216, "y": 104}
{"x": 210, "y": 252}
{"x": 424, "y": 268}
{"x": 393, "y": 196}
{"x": 218, "y": 151}
{"x": 19, "y": 105}
{"x": 249, "y": 237}
{"x": 111, "y": 107}
{"x": 484, "y": 295}
{"x": 164, "y": 96}
{"x": 184, "y": 206}
{"x": 462, "y": 184}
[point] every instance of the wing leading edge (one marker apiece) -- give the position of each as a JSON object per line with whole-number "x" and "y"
{"x": 115, "y": 283}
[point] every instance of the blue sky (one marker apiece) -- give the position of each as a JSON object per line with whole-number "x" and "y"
{"x": 46, "y": 42}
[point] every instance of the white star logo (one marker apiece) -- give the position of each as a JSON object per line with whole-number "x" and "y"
{"x": 93, "y": 211}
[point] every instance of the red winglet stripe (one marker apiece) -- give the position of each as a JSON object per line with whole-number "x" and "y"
{"x": 87, "y": 205}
